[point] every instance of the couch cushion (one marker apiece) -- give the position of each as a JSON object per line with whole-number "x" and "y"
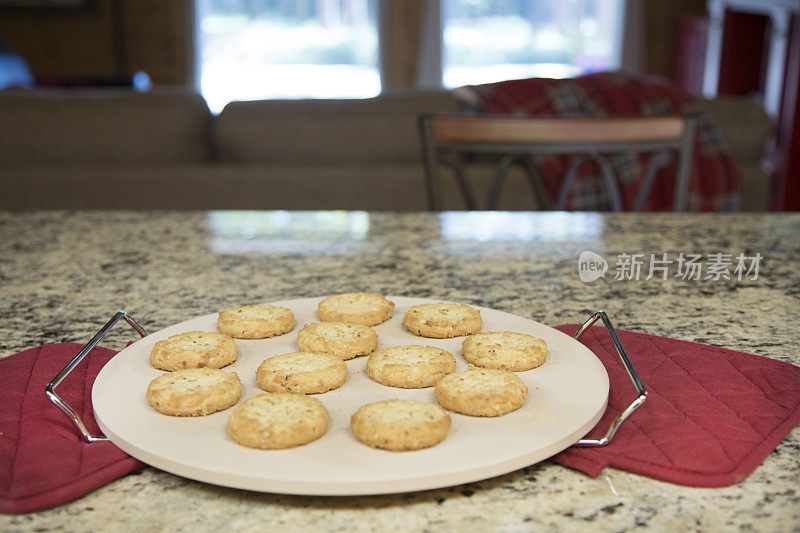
{"x": 399, "y": 187}
{"x": 746, "y": 128}
{"x": 744, "y": 125}
{"x": 382, "y": 129}
{"x": 117, "y": 127}
{"x": 756, "y": 188}
{"x": 379, "y": 188}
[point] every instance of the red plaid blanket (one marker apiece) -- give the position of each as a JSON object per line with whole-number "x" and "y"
{"x": 715, "y": 177}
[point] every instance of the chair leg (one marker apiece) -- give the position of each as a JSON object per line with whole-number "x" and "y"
{"x": 563, "y": 193}
{"x": 463, "y": 184}
{"x": 500, "y": 172}
{"x": 685, "y": 166}
{"x": 433, "y": 190}
{"x": 657, "y": 162}
{"x": 535, "y": 181}
{"x": 612, "y": 189}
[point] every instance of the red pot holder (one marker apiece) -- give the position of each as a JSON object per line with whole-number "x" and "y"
{"x": 44, "y": 461}
{"x": 711, "y": 416}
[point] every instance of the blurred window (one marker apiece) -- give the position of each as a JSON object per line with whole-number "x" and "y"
{"x": 260, "y": 49}
{"x": 493, "y": 40}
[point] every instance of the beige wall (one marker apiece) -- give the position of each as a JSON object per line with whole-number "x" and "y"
{"x": 401, "y": 34}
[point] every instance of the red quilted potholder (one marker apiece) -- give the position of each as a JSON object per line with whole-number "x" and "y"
{"x": 43, "y": 460}
{"x": 711, "y": 416}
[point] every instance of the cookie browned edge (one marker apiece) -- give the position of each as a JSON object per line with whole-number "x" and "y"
{"x": 532, "y": 357}
{"x": 309, "y": 423}
{"x": 418, "y": 320}
{"x": 383, "y": 311}
{"x": 509, "y": 396}
{"x": 309, "y": 339}
{"x": 249, "y": 329}
{"x": 200, "y": 403}
{"x": 387, "y": 434}
{"x": 410, "y": 376}
{"x": 304, "y": 381}
{"x": 166, "y": 356}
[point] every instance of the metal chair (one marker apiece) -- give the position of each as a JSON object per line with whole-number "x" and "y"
{"x": 448, "y": 139}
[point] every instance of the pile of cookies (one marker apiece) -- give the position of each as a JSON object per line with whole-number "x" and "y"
{"x": 285, "y": 415}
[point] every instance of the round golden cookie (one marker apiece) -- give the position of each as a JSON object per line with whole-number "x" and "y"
{"x": 194, "y": 392}
{"x": 258, "y": 321}
{"x": 400, "y": 425}
{"x": 442, "y": 320}
{"x": 362, "y": 308}
{"x": 301, "y": 372}
{"x": 481, "y": 392}
{"x": 341, "y": 339}
{"x": 194, "y": 349}
{"x": 410, "y": 367}
{"x": 505, "y": 350}
{"x": 278, "y": 420}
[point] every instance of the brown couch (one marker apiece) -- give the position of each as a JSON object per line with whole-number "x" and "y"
{"x": 164, "y": 150}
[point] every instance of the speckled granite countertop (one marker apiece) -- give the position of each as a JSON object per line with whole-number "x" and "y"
{"x": 62, "y": 275}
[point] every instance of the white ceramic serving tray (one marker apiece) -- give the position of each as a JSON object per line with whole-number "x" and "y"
{"x": 568, "y": 395}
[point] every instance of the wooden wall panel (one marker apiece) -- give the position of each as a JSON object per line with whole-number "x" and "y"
{"x": 661, "y": 23}
{"x": 158, "y": 39}
{"x": 70, "y": 44}
{"x": 62, "y": 43}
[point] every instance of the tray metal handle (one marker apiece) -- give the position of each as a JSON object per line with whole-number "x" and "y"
{"x": 599, "y": 315}
{"x": 637, "y": 382}
{"x": 50, "y": 388}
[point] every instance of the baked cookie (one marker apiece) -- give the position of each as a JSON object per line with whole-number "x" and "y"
{"x": 400, "y": 425}
{"x": 278, "y": 420}
{"x": 442, "y": 320}
{"x": 258, "y": 321}
{"x": 302, "y": 372}
{"x": 410, "y": 367}
{"x": 357, "y": 307}
{"x": 338, "y": 338}
{"x": 194, "y": 349}
{"x": 481, "y": 392}
{"x": 194, "y": 392}
{"x": 505, "y": 350}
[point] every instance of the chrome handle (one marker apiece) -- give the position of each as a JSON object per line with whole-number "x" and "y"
{"x": 50, "y": 388}
{"x": 628, "y": 411}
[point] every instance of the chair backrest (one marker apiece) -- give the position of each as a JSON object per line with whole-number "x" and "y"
{"x": 483, "y": 129}
{"x": 516, "y": 137}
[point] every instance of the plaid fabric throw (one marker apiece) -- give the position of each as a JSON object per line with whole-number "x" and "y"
{"x": 714, "y": 179}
